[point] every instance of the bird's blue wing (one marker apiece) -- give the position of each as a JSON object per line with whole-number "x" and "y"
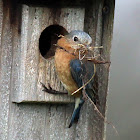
{"x": 83, "y": 71}
{"x": 76, "y": 71}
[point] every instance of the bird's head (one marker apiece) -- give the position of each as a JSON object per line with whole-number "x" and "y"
{"x": 75, "y": 39}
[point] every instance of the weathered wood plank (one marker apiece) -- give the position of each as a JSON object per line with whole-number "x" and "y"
{"x": 27, "y": 122}
{"x": 5, "y": 69}
{"x": 32, "y": 54}
{"x": 108, "y": 20}
{"x": 20, "y": 82}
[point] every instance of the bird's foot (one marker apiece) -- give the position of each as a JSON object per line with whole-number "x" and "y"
{"x": 50, "y": 90}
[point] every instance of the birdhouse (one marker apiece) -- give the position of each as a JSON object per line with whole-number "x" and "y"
{"x": 29, "y": 31}
{"x": 38, "y": 28}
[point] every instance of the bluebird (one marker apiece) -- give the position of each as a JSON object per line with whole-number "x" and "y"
{"x": 72, "y": 71}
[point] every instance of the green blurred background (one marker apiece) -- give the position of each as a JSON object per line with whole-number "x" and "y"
{"x": 124, "y": 84}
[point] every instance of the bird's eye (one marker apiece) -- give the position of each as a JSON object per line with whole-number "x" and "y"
{"x": 75, "y": 38}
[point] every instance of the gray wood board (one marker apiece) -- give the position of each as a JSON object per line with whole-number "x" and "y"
{"x": 5, "y": 70}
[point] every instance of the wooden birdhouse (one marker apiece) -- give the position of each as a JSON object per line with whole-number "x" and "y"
{"x": 29, "y": 32}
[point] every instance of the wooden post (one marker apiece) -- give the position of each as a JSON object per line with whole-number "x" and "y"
{"x": 23, "y": 116}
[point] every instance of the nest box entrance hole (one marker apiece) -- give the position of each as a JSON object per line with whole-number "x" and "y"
{"x": 48, "y": 39}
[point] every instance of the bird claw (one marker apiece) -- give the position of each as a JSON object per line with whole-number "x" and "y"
{"x": 49, "y": 86}
{"x": 50, "y": 90}
{"x": 45, "y": 88}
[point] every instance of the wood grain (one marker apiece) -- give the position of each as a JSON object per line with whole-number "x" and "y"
{"x": 5, "y": 70}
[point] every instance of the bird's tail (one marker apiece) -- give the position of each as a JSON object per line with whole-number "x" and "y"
{"x": 75, "y": 116}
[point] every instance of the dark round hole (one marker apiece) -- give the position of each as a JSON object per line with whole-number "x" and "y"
{"x": 48, "y": 38}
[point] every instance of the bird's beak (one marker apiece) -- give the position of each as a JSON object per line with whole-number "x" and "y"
{"x": 82, "y": 46}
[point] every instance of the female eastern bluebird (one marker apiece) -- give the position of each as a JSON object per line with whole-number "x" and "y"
{"x": 72, "y": 72}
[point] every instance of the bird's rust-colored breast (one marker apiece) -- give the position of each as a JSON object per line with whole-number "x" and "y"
{"x": 62, "y": 64}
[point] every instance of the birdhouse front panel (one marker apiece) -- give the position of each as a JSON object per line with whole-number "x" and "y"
{"x": 30, "y": 67}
